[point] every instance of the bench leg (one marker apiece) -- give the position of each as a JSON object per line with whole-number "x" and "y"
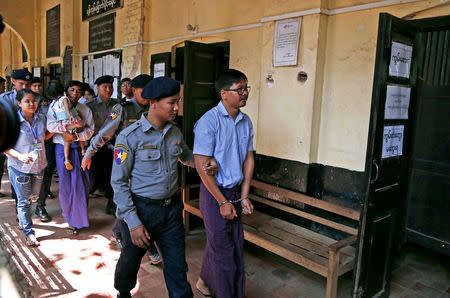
{"x": 333, "y": 274}
{"x": 185, "y": 198}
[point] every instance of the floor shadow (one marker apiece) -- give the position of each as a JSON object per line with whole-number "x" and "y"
{"x": 30, "y": 267}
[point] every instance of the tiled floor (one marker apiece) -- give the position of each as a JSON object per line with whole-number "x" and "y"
{"x": 83, "y": 265}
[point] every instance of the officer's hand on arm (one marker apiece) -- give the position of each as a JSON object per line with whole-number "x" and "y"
{"x": 86, "y": 162}
{"x": 140, "y": 236}
{"x": 210, "y": 167}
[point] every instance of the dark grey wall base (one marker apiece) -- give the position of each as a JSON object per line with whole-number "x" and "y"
{"x": 331, "y": 184}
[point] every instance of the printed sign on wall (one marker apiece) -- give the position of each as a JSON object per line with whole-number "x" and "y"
{"x": 285, "y": 46}
{"x": 393, "y": 141}
{"x": 400, "y": 64}
{"x": 397, "y": 102}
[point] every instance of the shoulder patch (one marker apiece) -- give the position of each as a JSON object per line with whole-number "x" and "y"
{"x": 120, "y": 153}
{"x": 114, "y": 113}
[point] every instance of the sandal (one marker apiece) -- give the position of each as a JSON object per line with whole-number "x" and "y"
{"x": 32, "y": 241}
{"x": 68, "y": 165}
{"x": 72, "y": 231}
{"x": 203, "y": 288}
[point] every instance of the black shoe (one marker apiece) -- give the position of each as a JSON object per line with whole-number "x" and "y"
{"x": 2, "y": 195}
{"x": 50, "y": 195}
{"x": 42, "y": 214}
{"x": 124, "y": 295}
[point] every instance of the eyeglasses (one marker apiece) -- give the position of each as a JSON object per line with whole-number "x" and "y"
{"x": 125, "y": 85}
{"x": 240, "y": 91}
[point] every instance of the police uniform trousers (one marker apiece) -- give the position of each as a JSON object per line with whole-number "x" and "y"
{"x": 165, "y": 226}
{"x": 100, "y": 173}
{"x": 223, "y": 261}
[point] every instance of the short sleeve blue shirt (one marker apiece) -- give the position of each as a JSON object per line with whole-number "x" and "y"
{"x": 225, "y": 139}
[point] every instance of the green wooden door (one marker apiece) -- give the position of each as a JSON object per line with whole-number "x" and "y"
{"x": 202, "y": 64}
{"x": 387, "y": 155}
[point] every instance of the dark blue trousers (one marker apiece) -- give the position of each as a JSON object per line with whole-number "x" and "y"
{"x": 48, "y": 172}
{"x": 165, "y": 226}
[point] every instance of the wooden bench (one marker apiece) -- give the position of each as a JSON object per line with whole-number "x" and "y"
{"x": 316, "y": 252}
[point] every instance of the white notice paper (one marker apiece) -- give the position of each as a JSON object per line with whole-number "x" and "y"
{"x": 159, "y": 69}
{"x": 86, "y": 70}
{"x": 392, "y": 141}
{"x": 400, "y": 64}
{"x": 397, "y": 102}
{"x": 37, "y": 72}
{"x": 115, "y": 86}
{"x": 285, "y": 46}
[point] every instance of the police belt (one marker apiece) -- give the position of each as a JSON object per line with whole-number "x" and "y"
{"x": 148, "y": 201}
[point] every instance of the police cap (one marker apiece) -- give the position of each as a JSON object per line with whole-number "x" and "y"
{"x": 21, "y": 74}
{"x": 160, "y": 87}
{"x": 104, "y": 80}
{"x": 35, "y": 80}
{"x": 140, "y": 81}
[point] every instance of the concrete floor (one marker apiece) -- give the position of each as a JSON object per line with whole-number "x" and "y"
{"x": 83, "y": 265}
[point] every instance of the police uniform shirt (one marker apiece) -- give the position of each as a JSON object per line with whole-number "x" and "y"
{"x": 145, "y": 163}
{"x": 121, "y": 116}
{"x": 10, "y": 97}
{"x": 100, "y": 111}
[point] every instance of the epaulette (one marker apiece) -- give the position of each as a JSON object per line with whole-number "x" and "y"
{"x": 125, "y": 103}
{"x": 130, "y": 128}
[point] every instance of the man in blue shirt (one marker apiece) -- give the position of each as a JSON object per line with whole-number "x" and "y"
{"x": 226, "y": 134}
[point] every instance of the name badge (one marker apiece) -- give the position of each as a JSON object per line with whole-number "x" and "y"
{"x": 132, "y": 120}
{"x": 149, "y": 147}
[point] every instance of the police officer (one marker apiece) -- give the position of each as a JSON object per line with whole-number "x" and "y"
{"x": 20, "y": 79}
{"x": 145, "y": 182}
{"x": 101, "y": 107}
{"x": 122, "y": 115}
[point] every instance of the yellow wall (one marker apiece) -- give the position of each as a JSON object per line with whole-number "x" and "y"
{"x": 323, "y": 120}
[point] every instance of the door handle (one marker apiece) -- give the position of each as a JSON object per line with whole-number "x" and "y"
{"x": 377, "y": 172}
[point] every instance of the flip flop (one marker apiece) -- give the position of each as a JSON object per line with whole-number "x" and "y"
{"x": 72, "y": 231}
{"x": 30, "y": 242}
{"x": 210, "y": 294}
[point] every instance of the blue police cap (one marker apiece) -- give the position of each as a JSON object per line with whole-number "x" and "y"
{"x": 103, "y": 80}
{"x": 21, "y": 74}
{"x": 35, "y": 80}
{"x": 140, "y": 81}
{"x": 160, "y": 87}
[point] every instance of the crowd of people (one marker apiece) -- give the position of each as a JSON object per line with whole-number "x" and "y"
{"x": 130, "y": 150}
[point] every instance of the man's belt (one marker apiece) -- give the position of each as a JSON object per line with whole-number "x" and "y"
{"x": 160, "y": 202}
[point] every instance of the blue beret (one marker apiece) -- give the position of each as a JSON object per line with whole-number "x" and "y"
{"x": 103, "y": 80}
{"x": 140, "y": 81}
{"x": 160, "y": 87}
{"x": 21, "y": 74}
{"x": 35, "y": 80}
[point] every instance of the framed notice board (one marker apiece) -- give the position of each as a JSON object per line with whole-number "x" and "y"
{"x": 53, "y": 31}
{"x": 101, "y": 33}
